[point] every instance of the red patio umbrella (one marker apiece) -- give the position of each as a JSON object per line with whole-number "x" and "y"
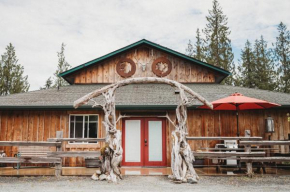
{"x": 238, "y": 102}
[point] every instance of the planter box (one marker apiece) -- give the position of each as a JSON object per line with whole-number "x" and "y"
{"x": 93, "y": 162}
{"x": 198, "y": 163}
{"x": 2, "y": 154}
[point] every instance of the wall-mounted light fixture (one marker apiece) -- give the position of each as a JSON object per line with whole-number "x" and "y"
{"x": 270, "y": 125}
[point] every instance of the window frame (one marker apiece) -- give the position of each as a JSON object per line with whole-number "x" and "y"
{"x": 83, "y": 115}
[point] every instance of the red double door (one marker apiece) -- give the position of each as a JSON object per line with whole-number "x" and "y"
{"x": 144, "y": 142}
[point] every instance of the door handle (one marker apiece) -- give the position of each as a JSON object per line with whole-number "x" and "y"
{"x": 145, "y": 141}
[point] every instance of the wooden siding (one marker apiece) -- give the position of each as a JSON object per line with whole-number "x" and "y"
{"x": 224, "y": 123}
{"x": 41, "y": 125}
{"x": 182, "y": 71}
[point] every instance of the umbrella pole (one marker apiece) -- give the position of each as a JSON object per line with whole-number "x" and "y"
{"x": 238, "y": 131}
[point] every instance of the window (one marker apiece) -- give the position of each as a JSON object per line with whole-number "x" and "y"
{"x": 84, "y": 126}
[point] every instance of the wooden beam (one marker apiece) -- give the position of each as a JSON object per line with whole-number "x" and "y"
{"x": 29, "y": 143}
{"x": 237, "y": 149}
{"x": 227, "y": 154}
{"x": 74, "y": 154}
{"x": 249, "y": 165}
{"x": 264, "y": 142}
{"x": 58, "y": 166}
{"x": 77, "y": 139}
{"x": 29, "y": 160}
{"x": 224, "y": 138}
{"x": 264, "y": 159}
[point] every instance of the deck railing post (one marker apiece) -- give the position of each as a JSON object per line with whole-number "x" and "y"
{"x": 58, "y": 166}
{"x": 248, "y": 149}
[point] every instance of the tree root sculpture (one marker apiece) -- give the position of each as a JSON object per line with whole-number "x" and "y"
{"x": 181, "y": 156}
{"x": 112, "y": 152}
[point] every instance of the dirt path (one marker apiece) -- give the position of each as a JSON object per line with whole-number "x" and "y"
{"x": 144, "y": 183}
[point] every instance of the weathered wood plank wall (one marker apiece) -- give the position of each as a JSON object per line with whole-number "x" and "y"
{"x": 41, "y": 125}
{"x": 224, "y": 123}
{"x": 182, "y": 71}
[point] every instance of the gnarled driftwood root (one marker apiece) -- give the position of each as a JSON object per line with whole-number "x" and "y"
{"x": 181, "y": 156}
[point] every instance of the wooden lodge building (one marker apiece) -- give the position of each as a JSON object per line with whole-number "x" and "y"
{"x": 37, "y": 115}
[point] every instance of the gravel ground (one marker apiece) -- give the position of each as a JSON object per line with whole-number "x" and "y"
{"x": 144, "y": 183}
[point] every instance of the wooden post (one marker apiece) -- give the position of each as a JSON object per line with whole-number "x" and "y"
{"x": 58, "y": 166}
{"x": 248, "y": 149}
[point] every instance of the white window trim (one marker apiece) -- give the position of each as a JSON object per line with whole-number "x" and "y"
{"x": 83, "y": 143}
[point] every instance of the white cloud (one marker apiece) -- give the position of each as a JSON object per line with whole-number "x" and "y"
{"x": 93, "y": 28}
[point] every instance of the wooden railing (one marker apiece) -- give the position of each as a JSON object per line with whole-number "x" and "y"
{"x": 224, "y": 138}
{"x": 265, "y": 143}
{"x": 33, "y": 159}
{"x": 77, "y": 139}
{"x": 30, "y": 143}
{"x": 250, "y": 160}
{"x": 248, "y": 156}
{"x": 52, "y": 157}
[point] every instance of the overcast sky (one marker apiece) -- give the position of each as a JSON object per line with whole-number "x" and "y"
{"x": 91, "y": 29}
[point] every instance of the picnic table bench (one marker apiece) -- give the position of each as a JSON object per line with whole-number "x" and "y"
{"x": 31, "y": 151}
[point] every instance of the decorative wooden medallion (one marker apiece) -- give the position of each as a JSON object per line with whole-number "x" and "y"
{"x": 161, "y": 67}
{"x": 126, "y": 67}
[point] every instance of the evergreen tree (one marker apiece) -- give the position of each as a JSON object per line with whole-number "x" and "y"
{"x": 12, "y": 79}
{"x": 265, "y": 75}
{"x": 248, "y": 70}
{"x": 189, "y": 49}
{"x": 197, "y": 50}
{"x": 282, "y": 57}
{"x": 218, "y": 50}
{"x": 48, "y": 84}
{"x": 61, "y": 67}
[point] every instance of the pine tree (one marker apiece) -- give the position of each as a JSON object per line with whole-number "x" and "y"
{"x": 48, "y": 84}
{"x": 265, "y": 69}
{"x": 218, "y": 50}
{"x": 282, "y": 57}
{"x": 12, "y": 79}
{"x": 248, "y": 68}
{"x": 198, "y": 51}
{"x": 61, "y": 67}
{"x": 189, "y": 49}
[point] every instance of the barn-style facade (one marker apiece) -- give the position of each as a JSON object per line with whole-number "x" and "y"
{"x": 146, "y": 133}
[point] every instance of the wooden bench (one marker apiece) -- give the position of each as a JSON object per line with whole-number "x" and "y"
{"x": 221, "y": 156}
{"x": 27, "y": 158}
{"x": 250, "y": 160}
{"x": 32, "y": 151}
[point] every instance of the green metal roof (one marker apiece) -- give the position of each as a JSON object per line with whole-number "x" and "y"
{"x": 146, "y": 42}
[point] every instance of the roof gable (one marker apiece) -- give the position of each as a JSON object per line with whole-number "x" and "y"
{"x": 221, "y": 71}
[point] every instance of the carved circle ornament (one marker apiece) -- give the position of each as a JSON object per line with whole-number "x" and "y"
{"x": 161, "y": 67}
{"x": 126, "y": 67}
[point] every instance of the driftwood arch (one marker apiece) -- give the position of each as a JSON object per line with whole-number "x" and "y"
{"x": 112, "y": 153}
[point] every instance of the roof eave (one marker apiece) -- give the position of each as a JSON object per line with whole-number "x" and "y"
{"x": 118, "y": 107}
